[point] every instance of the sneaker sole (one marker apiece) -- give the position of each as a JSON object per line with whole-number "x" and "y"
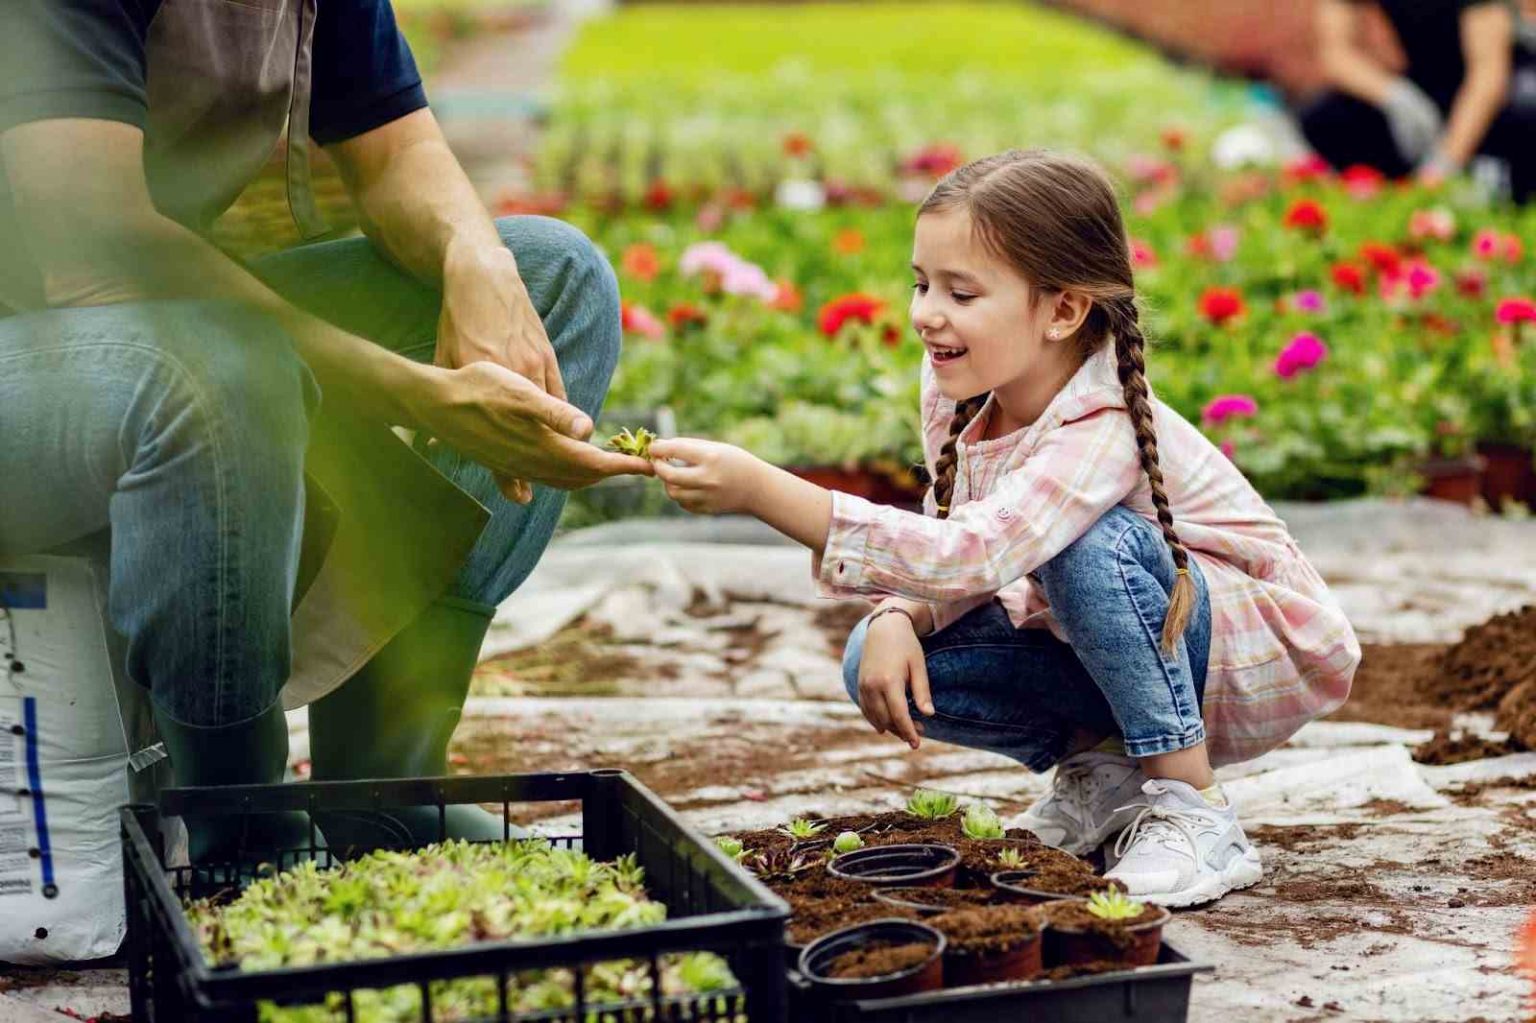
{"x": 1243, "y": 872}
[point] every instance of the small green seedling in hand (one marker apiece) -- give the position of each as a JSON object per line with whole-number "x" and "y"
{"x": 801, "y": 829}
{"x": 1010, "y": 859}
{"x": 1112, "y": 904}
{"x": 731, "y": 847}
{"x": 848, "y": 841}
{"x": 637, "y": 443}
{"x": 981, "y": 823}
{"x": 932, "y": 806}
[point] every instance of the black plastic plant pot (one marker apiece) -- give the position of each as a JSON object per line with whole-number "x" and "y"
{"x": 1068, "y": 944}
{"x": 913, "y": 866}
{"x": 928, "y": 975}
{"x": 910, "y": 897}
{"x": 1015, "y": 884}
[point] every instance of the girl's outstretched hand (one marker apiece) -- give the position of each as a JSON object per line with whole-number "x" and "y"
{"x": 705, "y": 476}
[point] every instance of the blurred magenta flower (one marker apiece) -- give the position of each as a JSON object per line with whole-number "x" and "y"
{"x": 1515, "y": 310}
{"x": 1309, "y": 301}
{"x": 1143, "y": 256}
{"x": 1227, "y": 406}
{"x": 1304, "y": 351}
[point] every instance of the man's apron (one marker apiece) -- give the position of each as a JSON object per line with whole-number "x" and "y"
{"x": 385, "y": 532}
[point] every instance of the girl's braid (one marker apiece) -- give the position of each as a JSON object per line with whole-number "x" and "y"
{"x": 1131, "y": 363}
{"x": 944, "y": 466}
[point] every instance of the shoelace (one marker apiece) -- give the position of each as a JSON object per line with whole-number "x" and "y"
{"x": 1156, "y": 819}
{"x": 1074, "y": 785}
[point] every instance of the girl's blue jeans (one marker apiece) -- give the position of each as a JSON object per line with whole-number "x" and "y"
{"x": 182, "y": 425}
{"x": 1024, "y": 693}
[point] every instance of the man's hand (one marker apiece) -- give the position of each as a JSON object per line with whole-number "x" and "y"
{"x": 487, "y": 316}
{"x": 892, "y": 661}
{"x": 505, "y": 422}
{"x": 714, "y": 479}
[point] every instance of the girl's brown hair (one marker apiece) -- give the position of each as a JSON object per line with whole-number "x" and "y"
{"x": 1055, "y": 219}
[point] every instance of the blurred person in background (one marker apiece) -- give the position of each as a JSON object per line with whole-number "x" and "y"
{"x": 1468, "y": 90}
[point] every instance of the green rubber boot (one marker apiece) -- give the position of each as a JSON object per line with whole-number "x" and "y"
{"x": 249, "y": 752}
{"x": 393, "y": 719}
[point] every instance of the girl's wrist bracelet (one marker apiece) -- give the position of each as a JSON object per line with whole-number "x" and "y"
{"x": 894, "y": 610}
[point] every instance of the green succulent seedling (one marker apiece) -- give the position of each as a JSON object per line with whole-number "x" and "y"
{"x": 932, "y": 806}
{"x": 1112, "y": 904}
{"x": 802, "y": 828}
{"x": 1010, "y": 859}
{"x": 981, "y": 823}
{"x": 731, "y": 847}
{"x": 637, "y": 443}
{"x": 847, "y": 841}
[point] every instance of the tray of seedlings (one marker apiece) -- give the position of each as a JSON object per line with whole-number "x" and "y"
{"x": 637, "y": 918}
{"x": 931, "y": 913}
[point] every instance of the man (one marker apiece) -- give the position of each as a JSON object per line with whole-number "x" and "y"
{"x": 1469, "y": 88}
{"x": 153, "y": 384}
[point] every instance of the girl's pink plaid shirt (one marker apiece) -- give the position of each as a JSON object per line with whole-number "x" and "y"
{"x": 1282, "y": 652}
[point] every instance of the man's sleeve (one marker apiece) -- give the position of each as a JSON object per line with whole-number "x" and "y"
{"x": 364, "y": 75}
{"x": 73, "y": 58}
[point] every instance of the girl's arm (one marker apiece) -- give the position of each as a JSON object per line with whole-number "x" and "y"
{"x": 720, "y": 479}
{"x": 1078, "y": 471}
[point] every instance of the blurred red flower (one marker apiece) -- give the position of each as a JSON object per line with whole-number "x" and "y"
{"x": 1349, "y": 277}
{"x": 683, "y": 315}
{"x": 848, "y": 242}
{"x": 1384, "y": 259}
{"x": 1221, "y": 305}
{"x": 1307, "y": 215}
{"x": 659, "y": 197}
{"x": 789, "y": 299}
{"x": 856, "y": 306}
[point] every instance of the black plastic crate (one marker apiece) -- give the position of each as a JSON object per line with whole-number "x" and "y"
{"x": 712, "y": 905}
{"x": 1146, "y": 994}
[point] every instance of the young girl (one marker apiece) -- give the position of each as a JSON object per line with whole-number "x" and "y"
{"x": 1094, "y": 586}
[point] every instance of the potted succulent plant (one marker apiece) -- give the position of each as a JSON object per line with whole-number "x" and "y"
{"x": 1107, "y": 926}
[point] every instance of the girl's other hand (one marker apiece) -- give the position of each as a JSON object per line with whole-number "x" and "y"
{"x": 892, "y": 661}
{"x": 706, "y": 477}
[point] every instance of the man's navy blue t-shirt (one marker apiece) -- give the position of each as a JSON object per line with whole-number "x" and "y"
{"x": 85, "y": 58}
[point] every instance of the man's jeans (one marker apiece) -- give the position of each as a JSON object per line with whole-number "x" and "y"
{"x": 183, "y": 424}
{"x": 1023, "y": 692}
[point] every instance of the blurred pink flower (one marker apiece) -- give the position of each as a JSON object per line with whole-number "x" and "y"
{"x": 1309, "y": 301}
{"x": 1142, "y": 255}
{"x": 1304, "y": 351}
{"x": 637, "y": 319}
{"x": 1515, "y": 310}
{"x": 1223, "y": 239}
{"x": 1422, "y": 279}
{"x": 1226, "y": 406}
{"x": 1438, "y": 223}
{"x": 736, "y": 275}
{"x": 1486, "y": 243}
{"x": 1229, "y": 449}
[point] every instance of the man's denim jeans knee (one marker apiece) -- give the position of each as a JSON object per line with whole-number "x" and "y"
{"x": 1023, "y": 692}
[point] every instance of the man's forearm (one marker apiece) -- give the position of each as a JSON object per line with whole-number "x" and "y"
{"x": 416, "y": 203}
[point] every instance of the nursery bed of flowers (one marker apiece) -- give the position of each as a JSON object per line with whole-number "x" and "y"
{"x": 754, "y": 179}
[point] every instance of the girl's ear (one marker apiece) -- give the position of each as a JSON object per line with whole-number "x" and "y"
{"x": 1068, "y": 312}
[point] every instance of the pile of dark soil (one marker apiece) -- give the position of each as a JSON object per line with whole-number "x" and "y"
{"x": 878, "y": 960}
{"x": 1493, "y": 668}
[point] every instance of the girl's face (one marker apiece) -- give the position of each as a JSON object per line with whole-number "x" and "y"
{"x": 975, "y": 316}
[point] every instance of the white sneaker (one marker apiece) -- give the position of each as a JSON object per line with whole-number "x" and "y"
{"x": 1180, "y": 850}
{"x": 1087, "y": 802}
